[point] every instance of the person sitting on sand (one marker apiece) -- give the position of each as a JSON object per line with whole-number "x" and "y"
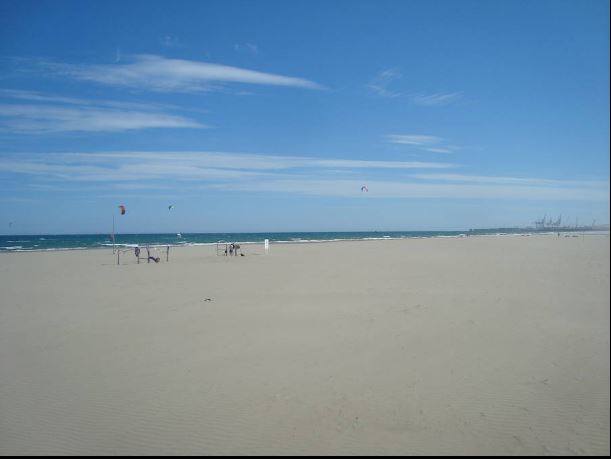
{"x": 150, "y": 257}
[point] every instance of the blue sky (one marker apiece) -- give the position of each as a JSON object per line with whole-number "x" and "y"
{"x": 270, "y": 116}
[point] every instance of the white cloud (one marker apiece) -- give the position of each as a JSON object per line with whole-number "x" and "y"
{"x": 184, "y": 172}
{"x": 385, "y": 82}
{"x": 170, "y": 41}
{"x": 428, "y": 143}
{"x": 413, "y": 139}
{"x": 251, "y": 161}
{"x": 157, "y": 73}
{"x": 117, "y": 172}
{"x": 40, "y": 97}
{"x": 437, "y": 99}
{"x": 31, "y": 118}
{"x": 511, "y": 180}
{"x": 439, "y": 150}
{"x": 381, "y": 84}
{"x": 50, "y": 113}
{"x": 164, "y": 167}
{"x": 248, "y": 47}
{"x": 394, "y": 189}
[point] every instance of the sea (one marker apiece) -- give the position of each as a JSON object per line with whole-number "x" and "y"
{"x": 47, "y": 242}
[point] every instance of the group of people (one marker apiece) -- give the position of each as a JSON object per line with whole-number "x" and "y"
{"x": 232, "y": 249}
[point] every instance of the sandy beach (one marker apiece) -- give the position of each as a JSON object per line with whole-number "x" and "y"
{"x": 479, "y": 345}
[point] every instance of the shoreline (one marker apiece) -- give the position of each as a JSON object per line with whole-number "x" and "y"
{"x": 105, "y": 246}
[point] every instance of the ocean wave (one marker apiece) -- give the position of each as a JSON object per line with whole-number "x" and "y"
{"x": 130, "y": 241}
{"x": 35, "y": 248}
{"x": 103, "y": 244}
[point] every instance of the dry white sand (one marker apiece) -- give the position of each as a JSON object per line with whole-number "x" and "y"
{"x": 475, "y": 345}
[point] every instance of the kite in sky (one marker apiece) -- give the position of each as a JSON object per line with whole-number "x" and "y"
{"x": 122, "y": 209}
{"x": 365, "y": 189}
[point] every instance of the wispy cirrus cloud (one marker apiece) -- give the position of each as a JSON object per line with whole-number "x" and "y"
{"x": 157, "y": 73}
{"x": 41, "y": 97}
{"x": 436, "y": 99}
{"x": 511, "y": 180}
{"x": 36, "y": 96}
{"x": 413, "y": 139}
{"x": 246, "y": 47}
{"x": 439, "y": 149}
{"x": 41, "y": 119}
{"x": 183, "y": 172}
{"x": 170, "y": 41}
{"x": 428, "y": 143}
{"x": 383, "y": 83}
{"x": 403, "y": 189}
{"x": 246, "y": 161}
{"x": 48, "y": 113}
{"x": 163, "y": 167}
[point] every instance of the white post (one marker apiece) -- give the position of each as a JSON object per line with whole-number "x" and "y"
{"x": 266, "y": 245}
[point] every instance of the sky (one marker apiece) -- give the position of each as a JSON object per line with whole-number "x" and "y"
{"x": 272, "y": 115}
